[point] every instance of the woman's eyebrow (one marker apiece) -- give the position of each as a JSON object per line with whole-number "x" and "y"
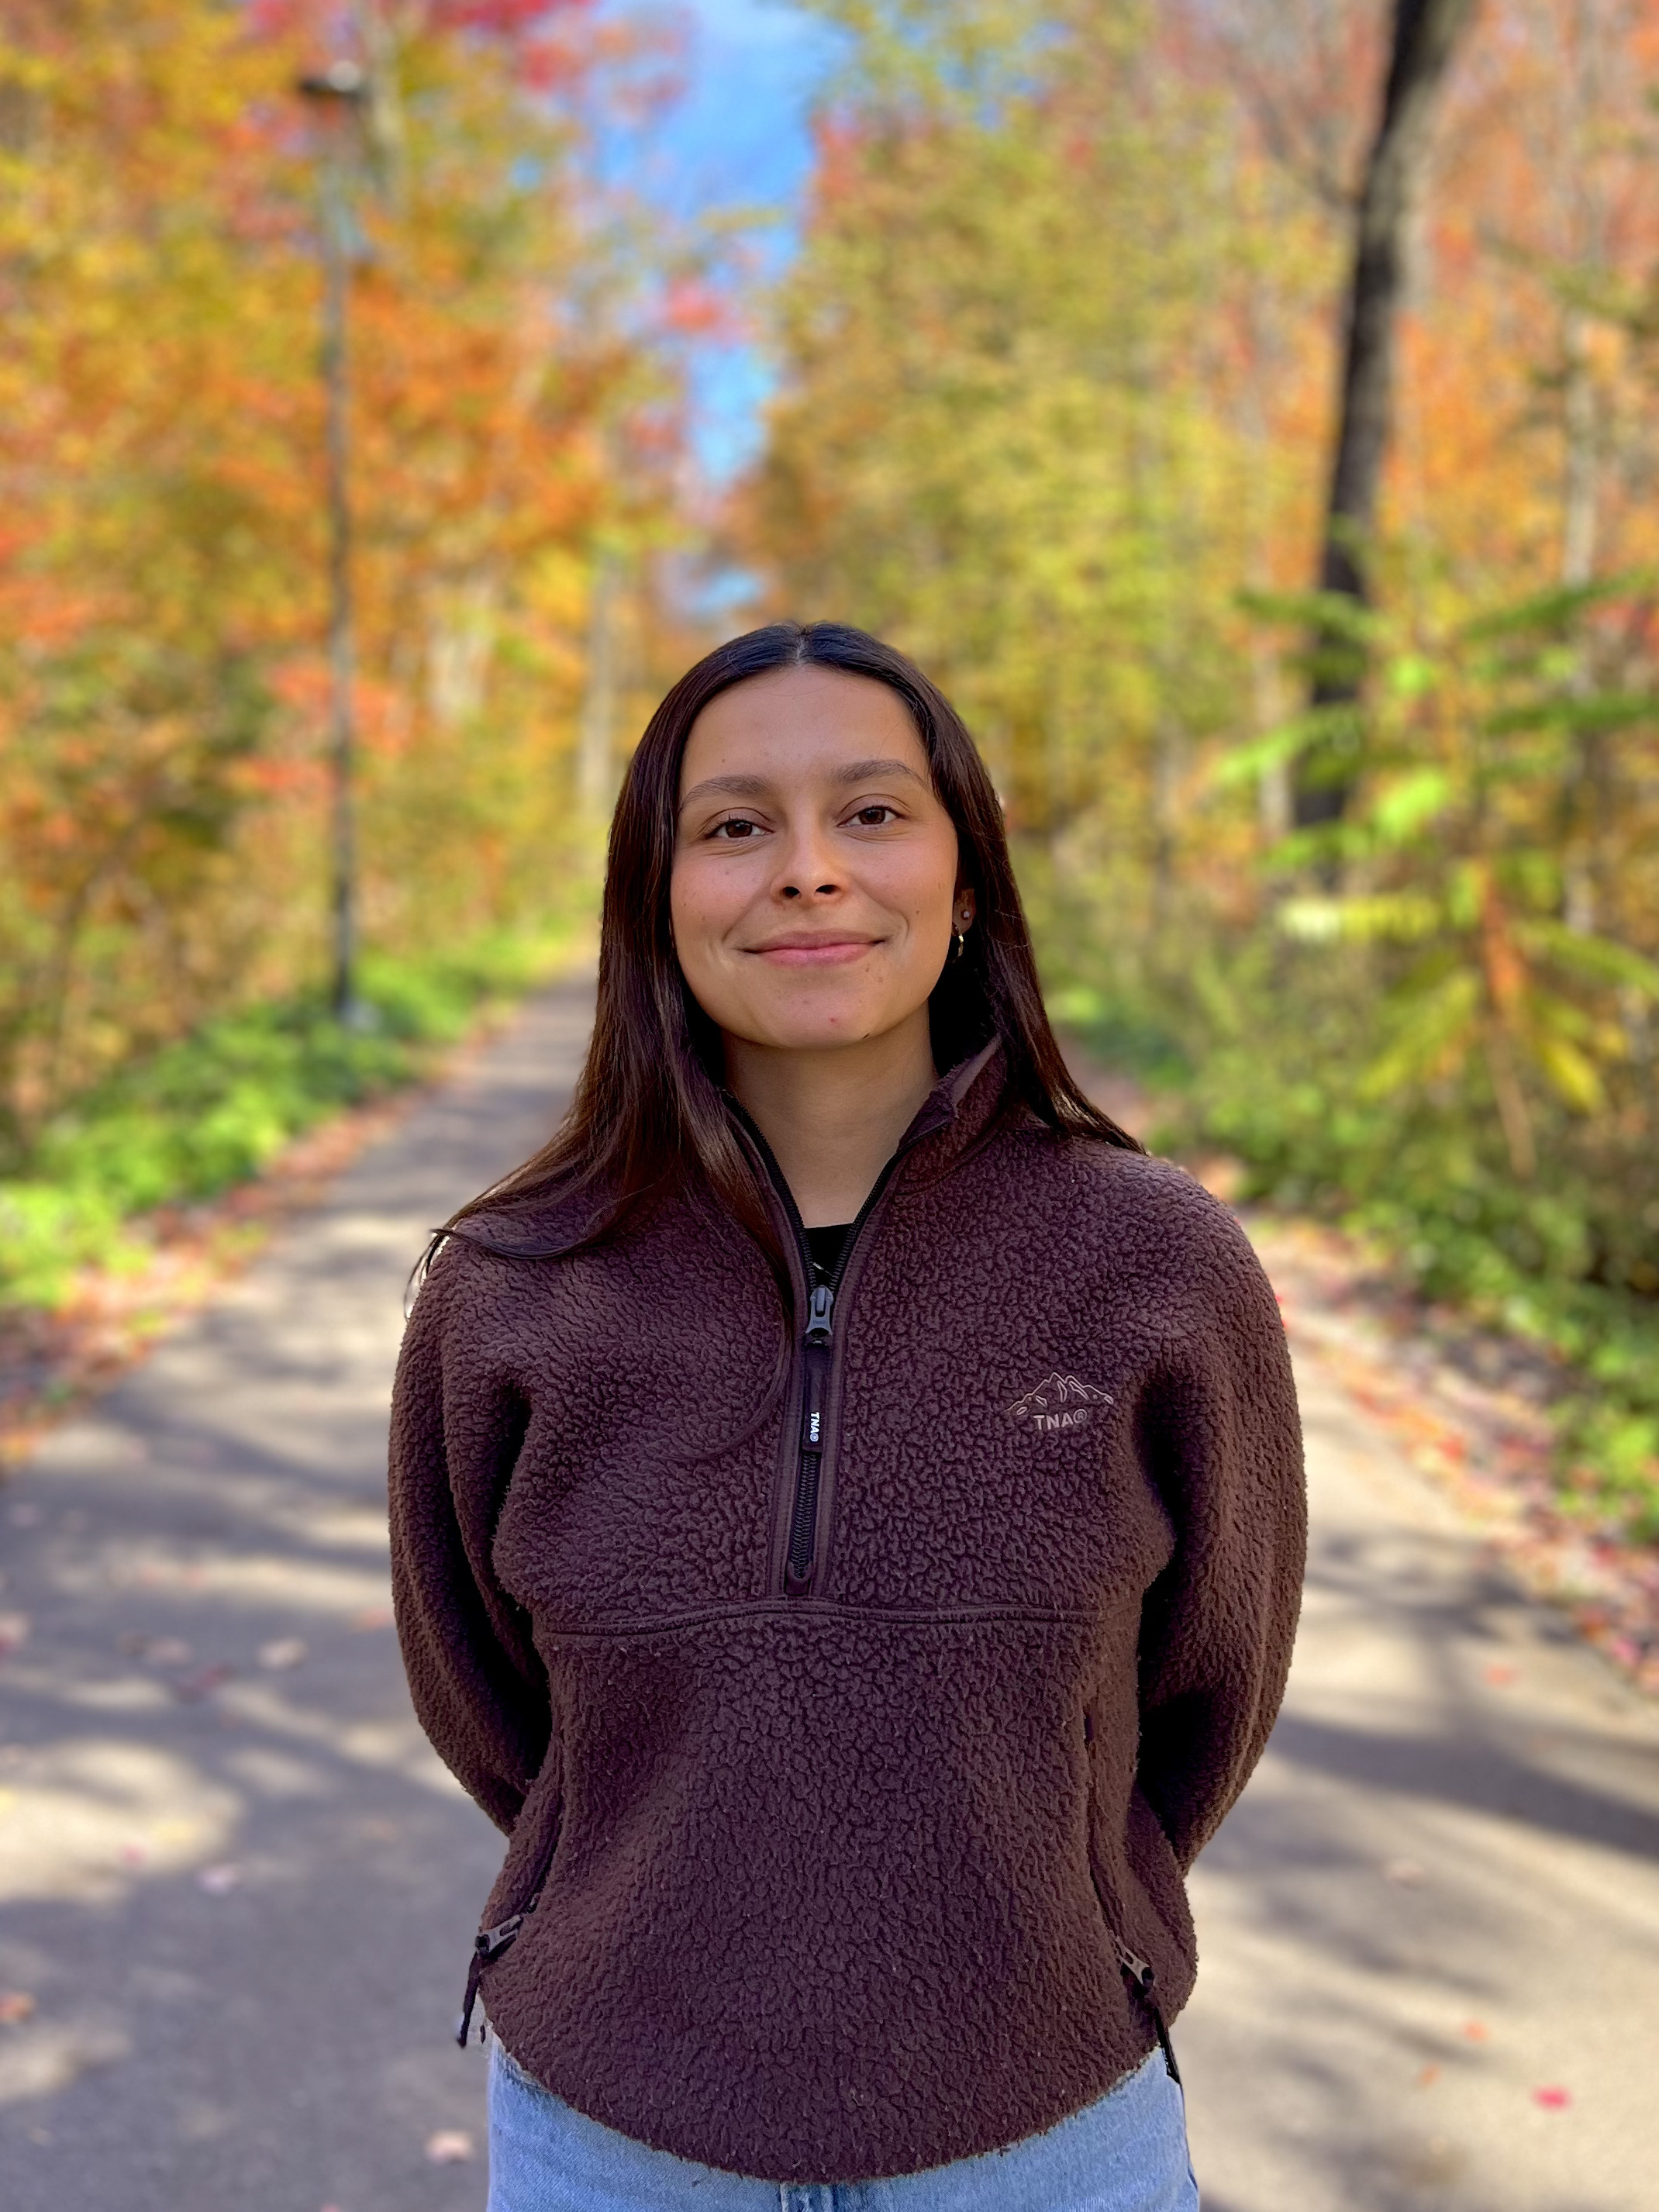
{"x": 861, "y": 771}
{"x": 756, "y": 786}
{"x": 732, "y": 787}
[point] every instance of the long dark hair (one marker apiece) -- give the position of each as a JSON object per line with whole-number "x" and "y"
{"x": 649, "y": 1111}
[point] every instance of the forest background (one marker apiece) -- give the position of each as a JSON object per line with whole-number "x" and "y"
{"x": 1055, "y": 373}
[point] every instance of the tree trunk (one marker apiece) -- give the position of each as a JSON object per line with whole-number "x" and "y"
{"x": 1424, "y": 33}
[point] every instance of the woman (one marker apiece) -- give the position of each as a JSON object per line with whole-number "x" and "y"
{"x": 846, "y": 1515}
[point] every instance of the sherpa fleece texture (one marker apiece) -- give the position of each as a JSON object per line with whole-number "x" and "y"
{"x": 830, "y": 1886}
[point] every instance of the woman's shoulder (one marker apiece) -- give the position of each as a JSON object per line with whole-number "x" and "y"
{"x": 1099, "y": 1173}
{"x": 479, "y": 1260}
{"x": 1149, "y": 1213}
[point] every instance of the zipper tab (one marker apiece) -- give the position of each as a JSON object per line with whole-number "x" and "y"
{"x": 804, "y": 1516}
{"x": 488, "y": 1946}
{"x": 1139, "y": 1970}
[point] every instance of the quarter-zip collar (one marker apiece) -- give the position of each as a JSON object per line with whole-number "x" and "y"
{"x": 805, "y": 1489}
{"x": 944, "y": 1105}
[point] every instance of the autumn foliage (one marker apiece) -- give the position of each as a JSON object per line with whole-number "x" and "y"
{"x": 1055, "y": 412}
{"x": 162, "y": 553}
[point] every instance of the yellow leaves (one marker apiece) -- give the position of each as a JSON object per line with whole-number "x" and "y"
{"x": 1570, "y": 1070}
{"x": 1406, "y": 804}
{"x": 162, "y": 580}
{"x": 1402, "y": 917}
{"x": 1435, "y": 1033}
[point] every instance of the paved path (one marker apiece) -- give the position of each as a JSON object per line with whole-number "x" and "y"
{"x": 242, "y": 1900}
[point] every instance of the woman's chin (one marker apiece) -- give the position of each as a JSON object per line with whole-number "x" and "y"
{"x": 821, "y": 1028}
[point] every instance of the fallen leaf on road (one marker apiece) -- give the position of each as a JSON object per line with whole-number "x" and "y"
{"x": 133, "y": 1854}
{"x": 190, "y": 1689}
{"x": 15, "y": 2005}
{"x": 1501, "y": 1678}
{"x": 449, "y": 2146}
{"x": 1428, "y": 2077}
{"x": 373, "y": 1616}
{"x": 284, "y": 1651}
{"x": 1552, "y": 2099}
{"x": 219, "y": 1880}
{"x": 1405, "y": 1872}
{"x": 14, "y": 1631}
{"x": 1476, "y": 2030}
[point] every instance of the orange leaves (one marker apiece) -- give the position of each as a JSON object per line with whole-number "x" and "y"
{"x": 163, "y": 577}
{"x": 1503, "y": 964}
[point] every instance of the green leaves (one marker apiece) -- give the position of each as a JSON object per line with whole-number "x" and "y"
{"x": 214, "y": 1107}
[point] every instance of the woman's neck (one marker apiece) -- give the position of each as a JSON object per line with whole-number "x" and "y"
{"x": 833, "y": 1118}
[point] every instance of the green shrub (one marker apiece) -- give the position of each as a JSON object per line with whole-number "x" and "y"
{"x": 214, "y": 1107}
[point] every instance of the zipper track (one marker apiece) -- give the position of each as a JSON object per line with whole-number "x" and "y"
{"x": 818, "y": 1353}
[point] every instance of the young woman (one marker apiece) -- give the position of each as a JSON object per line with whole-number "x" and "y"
{"x": 847, "y": 1515}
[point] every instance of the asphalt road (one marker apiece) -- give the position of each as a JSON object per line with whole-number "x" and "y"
{"x": 239, "y": 1891}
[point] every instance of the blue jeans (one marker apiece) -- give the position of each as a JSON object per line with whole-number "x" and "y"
{"x": 1126, "y": 2152}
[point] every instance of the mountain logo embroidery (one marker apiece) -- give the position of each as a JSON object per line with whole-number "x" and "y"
{"x": 1061, "y": 1402}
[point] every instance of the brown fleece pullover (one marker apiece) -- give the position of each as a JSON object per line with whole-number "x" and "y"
{"x": 855, "y": 1695}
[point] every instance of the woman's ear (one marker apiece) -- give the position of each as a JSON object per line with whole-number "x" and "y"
{"x": 962, "y": 908}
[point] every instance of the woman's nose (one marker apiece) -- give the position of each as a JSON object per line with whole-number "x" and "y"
{"x": 807, "y": 869}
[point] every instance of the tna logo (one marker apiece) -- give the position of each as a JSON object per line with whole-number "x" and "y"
{"x": 1062, "y": 1403}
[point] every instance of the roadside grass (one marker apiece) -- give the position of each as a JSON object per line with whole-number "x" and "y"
{"x": 213, "y": 1109}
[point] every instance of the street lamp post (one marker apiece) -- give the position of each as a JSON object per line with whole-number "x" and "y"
{"x": 339, "y": 93}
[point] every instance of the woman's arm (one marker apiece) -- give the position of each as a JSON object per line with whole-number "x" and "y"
{"x": 1222, "y": 1436}
{"x": 478, "y": 1686}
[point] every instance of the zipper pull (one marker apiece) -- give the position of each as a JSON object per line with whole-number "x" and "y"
{"x": 1140, "y": 1971}
{"x": 473, "y": 1974}
{"x": 820, "y": 1315}
{"x": 493, "y": 1941}
{"x": 487, "y": 1947}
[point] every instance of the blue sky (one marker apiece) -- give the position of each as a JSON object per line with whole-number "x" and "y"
{"x": 737, "y": 139}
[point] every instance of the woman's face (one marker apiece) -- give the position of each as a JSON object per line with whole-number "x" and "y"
{"x": 814, "y": 890}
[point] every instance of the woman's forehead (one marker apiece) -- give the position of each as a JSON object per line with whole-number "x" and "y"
{"x": 803, "y": 721}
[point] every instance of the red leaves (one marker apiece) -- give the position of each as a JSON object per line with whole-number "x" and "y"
{"x": 692, "y": 307}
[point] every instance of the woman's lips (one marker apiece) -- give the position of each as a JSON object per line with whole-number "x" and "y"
{"x": 815, "y": 952}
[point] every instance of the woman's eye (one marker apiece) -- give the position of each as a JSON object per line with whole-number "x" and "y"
{"x": 734, "y": 826}
{"x": 873, "y": 817}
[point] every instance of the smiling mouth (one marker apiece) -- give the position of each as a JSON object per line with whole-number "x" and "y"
{"x": 813, "y": 951}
